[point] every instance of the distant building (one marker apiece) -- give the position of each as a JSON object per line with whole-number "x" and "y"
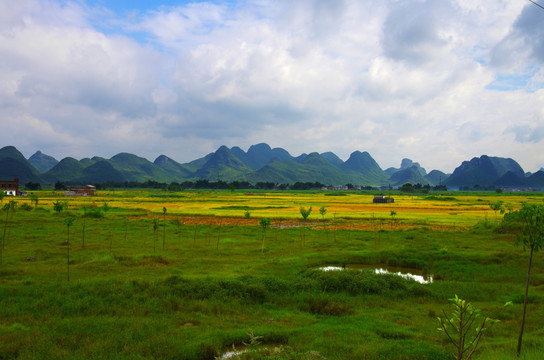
{"x": 382, "y": 199}
{"x": 87, "y": 190}
{"x": 10, "y": 188}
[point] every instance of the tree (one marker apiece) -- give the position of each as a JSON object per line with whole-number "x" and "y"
{"x": 155, "y": 227}
{"x": 58, "y": 205}
{"x": 34, "y": 199}
{"x": 106, "y": 207}
{"x": 496, "y": 207}
{"x": 163, "y": 226}
{"x": 531, "y": 218}
{"x": 323, "y": 211}
{"x": 59, "y": 185}
{"x": 68, "y": 222}
{"x": 464, "y": 327}
{"x": 8, "y": 208}
{"x": 265, "y": 223}
{"x": 33, "y": 186}
{"x": 393, "y": 213}
{"x": 2, "y": 196}
{"x": 305, "y": 212}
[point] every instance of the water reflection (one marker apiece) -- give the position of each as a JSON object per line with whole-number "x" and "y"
{"x": 403, "y": 272}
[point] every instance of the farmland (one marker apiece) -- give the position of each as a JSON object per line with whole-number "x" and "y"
{"x": 187, "y": 275}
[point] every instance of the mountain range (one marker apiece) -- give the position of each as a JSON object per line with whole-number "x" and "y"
{"x": 261, "y": 163}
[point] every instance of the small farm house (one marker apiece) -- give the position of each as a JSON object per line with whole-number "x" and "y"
{"x": 10, "y": 188}
{"x": 87, "y": 190}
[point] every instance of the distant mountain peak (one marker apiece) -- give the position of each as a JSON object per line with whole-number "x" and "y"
{"x": 42, "y": 162}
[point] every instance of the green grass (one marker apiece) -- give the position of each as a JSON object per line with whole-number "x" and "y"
{"x": 131, "y": 298}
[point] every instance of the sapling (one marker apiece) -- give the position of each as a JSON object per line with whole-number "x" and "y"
{"x": 305, "y": 212}
{"x": 218, "y": 235}
{"x": 464, "y": 327}
{"x": 265, "y": 223}
{"x": 178, "y": 223}
{"x": 393, "y": 213}
{"x": 155, "y": 227}
{"x": 163, "y": 227}
{"x": 497, "y": 207}
{"x": 194, "y": 236}
{"x": 323, "y": 211}
{"x": 68, "y": 222}
{"x": 9, "y": 208}
{"x": 531, "y": 217}
{"x": 34, "y": 199}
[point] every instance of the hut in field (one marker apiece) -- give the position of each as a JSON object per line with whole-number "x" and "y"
{"x": 382, "y": 199}
{"x": 87, "y": 190}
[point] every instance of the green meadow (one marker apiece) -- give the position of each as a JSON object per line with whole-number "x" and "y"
{"x": 190, "y": 275}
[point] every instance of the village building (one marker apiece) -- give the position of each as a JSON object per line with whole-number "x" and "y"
{"x": 10, "y": 188}
{"x": 87, "y": 190}
{"x": 382, "y": 199}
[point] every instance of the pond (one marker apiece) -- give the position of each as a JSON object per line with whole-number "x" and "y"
{"x": 407, "y": 273}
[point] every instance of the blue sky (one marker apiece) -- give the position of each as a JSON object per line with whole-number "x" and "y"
{"x": 438, "y": 82}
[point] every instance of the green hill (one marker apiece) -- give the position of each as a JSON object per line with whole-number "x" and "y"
{"x": 261, "y": 154}
{"x": 411, "y": 175}
{"x": 42, "y": 162}
{"x": 194, "y": 165}
{"x": 100, "y": 172}
{"x": 511, "y": 179}
{"x": 332, "y": 158}
{"x": 436, "y": 177}
{"x": 537, "y": 179}
{"x": 14, "y": 165}
{"x": 172, "y": 167}
{"x": 483, "y": 171}
{"x": 314, "y": 167}
{"x": 136, "y": 168}
{"x": 364, "y": 170}
{"x": 86, "y": 162}
{"x": 66, "y": 170}
{"x": 223, "y": 165}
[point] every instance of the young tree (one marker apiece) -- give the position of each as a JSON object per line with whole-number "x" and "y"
{"x": 393, "y": 213}
{"x": 58, "y": 206}
{"x": 265, "y": 223}
{"x": 531, "y": 217}
{"x": 34, "y": 199}
{"x": 83, "y": 227}
{"x": 155, "y": 228}
{"x": 68, "y": 222}
{"x": 323, "y": 211}
{"x": 497, "y": 207}
{"x": 163, "y": 226}
{"x": 305, "y": 212}
{"x": 464, "y": 328}
{"x": 9, "y": 208}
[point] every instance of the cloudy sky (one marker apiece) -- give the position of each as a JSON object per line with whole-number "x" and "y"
{"x": 437, "y": 81}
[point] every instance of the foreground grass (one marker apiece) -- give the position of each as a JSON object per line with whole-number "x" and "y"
{"x": 208, "y": 287}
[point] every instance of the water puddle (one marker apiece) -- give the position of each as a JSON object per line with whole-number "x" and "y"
{"x": 407, "y": 273}
{"x": 239, "y": 350}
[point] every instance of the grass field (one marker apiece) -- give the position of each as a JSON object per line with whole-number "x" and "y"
{"x": 191, "y": 282}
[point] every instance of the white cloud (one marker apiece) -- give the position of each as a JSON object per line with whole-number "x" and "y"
{"x": 436, "y": 81}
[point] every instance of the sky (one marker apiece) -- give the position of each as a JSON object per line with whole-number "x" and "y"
{"x": 436, "y": 81}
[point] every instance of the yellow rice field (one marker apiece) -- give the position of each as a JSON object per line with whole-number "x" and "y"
{"x": 350, "y": 210}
